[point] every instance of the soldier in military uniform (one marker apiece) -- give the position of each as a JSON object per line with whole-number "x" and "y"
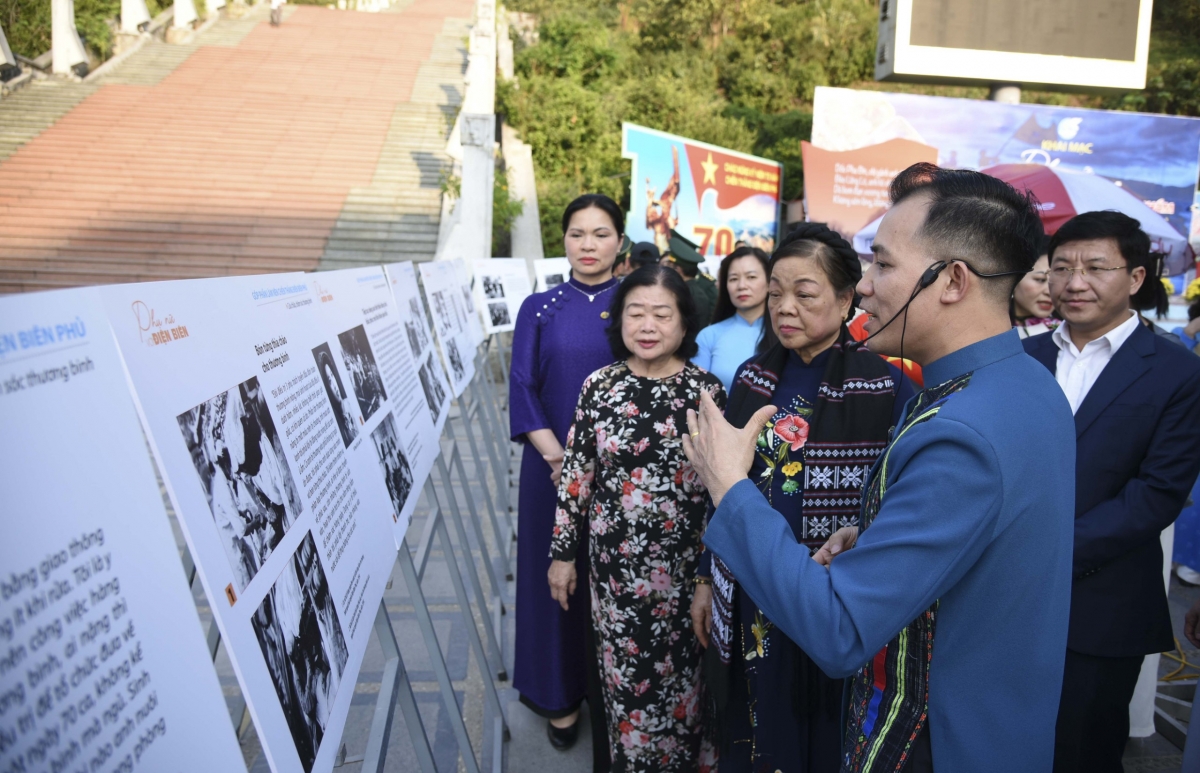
{"x": 623, "y": 267}
{"x": 684, "y": 256}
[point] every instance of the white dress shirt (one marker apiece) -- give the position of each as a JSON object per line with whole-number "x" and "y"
{"x": 1077, "y": 370}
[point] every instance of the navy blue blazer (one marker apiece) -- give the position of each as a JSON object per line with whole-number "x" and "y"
{"x": 1137, "y": 457}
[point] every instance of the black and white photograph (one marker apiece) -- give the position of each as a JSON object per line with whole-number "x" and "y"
{"x": 414, "y": 326}
{"x": 339, "y": 399}
{"x": 456, "y": 363}
{"x": 239, "y": 457}
{"x": 498, "y": 312}
{"x": 468, "y": 302}
{"x": 364, "y": 372}
{"x": 493, "y": 287}
{"x": 459, "y": 314}
{"x": 554, "y": 280}
{"x": 302, "y": 643}
{"x": 443, "y": 314}
{"x": 435, "y": 391}
{"x": 397, "y": 473}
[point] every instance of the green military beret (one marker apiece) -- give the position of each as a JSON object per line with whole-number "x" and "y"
{"x": 623, "y": 252}
{"x": 681, "y": 248}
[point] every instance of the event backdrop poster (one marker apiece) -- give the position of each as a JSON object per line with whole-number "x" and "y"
{"x": 414, "y": 317}
{"x": 1154, "y": 158}
{"x": 501, "y": 286}
{"x": 714, "y": 196}
{"x": 444, "y": 293}
{"x": 290, "y": 536}
{"x": 103, "y": 664}
{"x": 366, "y": 363}
{"x": 550, "y": 272}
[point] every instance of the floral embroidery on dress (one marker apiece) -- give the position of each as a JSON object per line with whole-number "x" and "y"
{"x": 781, "y": 447}
{"x": 627, "y": 481}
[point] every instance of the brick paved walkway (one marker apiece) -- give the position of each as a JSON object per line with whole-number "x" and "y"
{"x": 238, "y": 161}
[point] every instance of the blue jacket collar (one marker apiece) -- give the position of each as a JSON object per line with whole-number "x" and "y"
{"x": 973, "y": 357}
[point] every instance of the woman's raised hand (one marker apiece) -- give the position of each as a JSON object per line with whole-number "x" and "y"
{"x": 702, "y": 613}
{"x": 562, "y": 581}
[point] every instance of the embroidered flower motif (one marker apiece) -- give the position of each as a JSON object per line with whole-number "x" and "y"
{"x": 791, "y": 468}
{"x": 793, "y": 430}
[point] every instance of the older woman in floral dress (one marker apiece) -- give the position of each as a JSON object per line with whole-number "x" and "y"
{"x": 626, "y": 481}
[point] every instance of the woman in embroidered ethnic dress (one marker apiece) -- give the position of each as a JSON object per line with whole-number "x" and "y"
{"x": 774, "y": 709}
{"x": 626, "y": 482}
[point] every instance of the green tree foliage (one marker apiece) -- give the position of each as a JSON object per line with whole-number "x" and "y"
{"x": 673, "y": 65}
{"x": 736, "y": 73}
{"x": 27, "y": 24}
{"x": 505, "y": 209}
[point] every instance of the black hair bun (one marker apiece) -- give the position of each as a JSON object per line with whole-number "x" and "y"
{"x": 820, "y": 232}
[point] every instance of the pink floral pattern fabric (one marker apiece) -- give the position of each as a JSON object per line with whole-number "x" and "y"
{"x": 627, "y": 481}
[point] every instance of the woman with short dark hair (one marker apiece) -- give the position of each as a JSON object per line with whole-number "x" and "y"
{"x": 559, "y": 339}
{"x": 774, "y": 709}
{"x": 626, "y": 482}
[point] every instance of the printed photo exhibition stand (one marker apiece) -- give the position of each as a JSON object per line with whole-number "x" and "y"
{"x": 476, "y": 411}
{"x": 481, "y": 410}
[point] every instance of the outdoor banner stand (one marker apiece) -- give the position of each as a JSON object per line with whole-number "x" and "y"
{"x": 477, "y": 410}
{"x": 425, "y": 623}
{"x": 498, "y": 439}
{"x": 481, "y": 414}
{"x": 394, "y": 688}
{"x": 460, "y": 592}
{"x": 502, "y": 560}
{"x": 497, "y": 659}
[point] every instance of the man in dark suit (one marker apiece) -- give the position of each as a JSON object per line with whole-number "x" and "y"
{"x": 1136, "y": 400}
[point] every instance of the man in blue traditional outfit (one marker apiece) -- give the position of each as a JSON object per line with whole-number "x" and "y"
{"x": 950, "y": 610}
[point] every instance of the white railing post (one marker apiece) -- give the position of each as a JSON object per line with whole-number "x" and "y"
{"x": 468, "y": 235}
{"x": 134, "y": 15}
{"x": 8, "y": 62}
{"x": 478, "y": 169}
{"x": 67, "y": 49}
{"x": 185, "y": 15}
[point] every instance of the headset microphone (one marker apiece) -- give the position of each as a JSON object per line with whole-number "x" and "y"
{"x": 929, "y": 277}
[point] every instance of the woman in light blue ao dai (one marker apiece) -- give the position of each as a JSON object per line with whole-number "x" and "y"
{"x": 738, "y": 319}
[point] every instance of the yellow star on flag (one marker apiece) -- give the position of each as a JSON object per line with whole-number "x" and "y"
{"x": 710, "y": 170}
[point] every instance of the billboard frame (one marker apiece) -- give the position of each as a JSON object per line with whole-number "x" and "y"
{"x": 898, "y": 61}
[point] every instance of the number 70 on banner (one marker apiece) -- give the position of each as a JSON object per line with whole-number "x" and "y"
{"x": 720, "y": 237}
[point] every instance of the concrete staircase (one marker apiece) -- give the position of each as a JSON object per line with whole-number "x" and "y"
{"x": 396, "y": 217}
{"x": 250, "y": 149}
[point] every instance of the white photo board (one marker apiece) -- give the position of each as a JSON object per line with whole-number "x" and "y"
{"x": 474, "y": 323}
{"x": 368, "y": 336}
{"x": 501, "y": 286}
{"x": 411, "y": 308}
{"x": 550, "y": 272}
{"x": 444, "y": 293}
{"x": 103, "y": 664}
{"x": 285, "y": 515}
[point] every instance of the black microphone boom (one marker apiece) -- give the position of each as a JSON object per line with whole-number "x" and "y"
{"x": 927, "y": 278}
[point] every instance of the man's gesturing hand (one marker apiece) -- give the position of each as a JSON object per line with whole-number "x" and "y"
{"x": 721, "y": 453}
{"x": 839, "y": 542}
